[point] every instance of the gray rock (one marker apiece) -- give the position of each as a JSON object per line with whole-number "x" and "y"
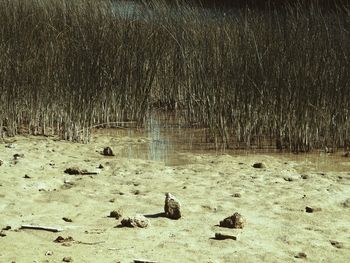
{"x": 234, "y": 221}
{"x": 135, "y": 221}
{"x": 172, "y": 207}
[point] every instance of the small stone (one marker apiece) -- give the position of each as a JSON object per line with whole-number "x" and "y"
{"x": 259, "y": 165}
{"x": 238, "y": 195}
{"x": 135, "y": 221}
{"x": 136, "y": 192}
{"x": 107, "y": 151}
{"x": 300, "y": 255}
{"x": 49, "y": 253}
{"x": 2, "y": 234}
{"x": 219, "y": 236}
{"x": 66, "y": 219}
{"x": 336, "y": 244}
{"x": 18, "y": 156}
{"x": 304, "y": 176}
{"x": 346, "y": 203}
{"x": 11, "y": 145}
{"x": 288, "y": 179}
{"x": 172, "y": 207}
{"x": 6, "y": 228}
{"x": 309, "y": 209}
{"x": 1, "y": 162}
{"x": 234, "y": 221}
{"x": 67, "y": 259}
{"x": 61, "y": 239}
{"x": 26, "y": 176}
{"x": 115, "y": 214}
{"x": 100, "y": 166}
{"x": 73, "y": 171}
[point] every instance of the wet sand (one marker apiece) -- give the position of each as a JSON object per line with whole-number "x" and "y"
{"x": 272, "y": 200}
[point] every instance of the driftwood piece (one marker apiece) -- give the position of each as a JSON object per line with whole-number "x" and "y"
{"x": 144, "y": 261}
{"x": 46, "y": 228}
{"x": 219, "y": 236}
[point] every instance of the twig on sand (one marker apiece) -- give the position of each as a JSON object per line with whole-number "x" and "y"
{"x": 46, "y": 228}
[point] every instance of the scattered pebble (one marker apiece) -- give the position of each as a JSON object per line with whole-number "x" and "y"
{"x": 2, "y": 234}
{"x": 300, "y": 255}
{"x": 49, "y": 253}
{"x": 219, "y": 236}
{"x": 66, "y": 219}
{"x": 61, "y": 239}
{"x": 304, "y": 176}
{"x": 1, "y": 162}
{"x": 11, "y": 145}
{"x": 336, "y": 244}
{"x": 107, "y": 151}
{"x": 172, "y": 207}
{"x": 346, "y": 154}
{"x": 238, "y": 195}
{"x": 136, "y": 192}
{"x": 288, "y": 179}
{"x": 309, "y": 209}
{"x": 6, "y": 228}
{"x": 100, "y": 166}
{"x": 346, "y": 203}
{"x": 259, "y": 165}
{"x": 26, "y": 176}
{"x": 234, "y": 221}
{"x": 18, "y": 156}
{"x": 115, "y": 214}
{"x": 135, "y": 221}
{"x": 67, "y": 259}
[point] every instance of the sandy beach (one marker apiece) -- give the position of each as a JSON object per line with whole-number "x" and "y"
{"x": 35, "y": 190}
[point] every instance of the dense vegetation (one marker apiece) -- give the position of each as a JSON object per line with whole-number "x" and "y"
{"x": 278, "y": 75}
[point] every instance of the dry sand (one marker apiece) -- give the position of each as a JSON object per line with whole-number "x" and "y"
{"x": 272, "y": 200}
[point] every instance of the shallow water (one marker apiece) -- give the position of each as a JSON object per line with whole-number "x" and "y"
{"x": 167, "y": 139}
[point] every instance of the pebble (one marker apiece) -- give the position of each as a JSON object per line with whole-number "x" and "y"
{"x": 300, "y": 255}
{"x": 336, "y": 244}
{"x": 309, "y": 209}
{"x": 66, "y": 219}
{"x": 67, "y": 259}
{"x": 115, "y": 214}
{"x": 238, "y": 195}
{"x": 49, "y": 253}
{"x": 304, "y": 176}
{"x": 346, "y": 203}
{"x": 259, "y": 165}
{"x": 234, "y": 221}
{"x": 172, "y": 207}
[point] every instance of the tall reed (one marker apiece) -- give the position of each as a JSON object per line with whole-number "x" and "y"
{"x": 253, "y": 78}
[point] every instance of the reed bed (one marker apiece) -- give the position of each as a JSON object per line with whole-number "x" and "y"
{"x": 278, "y": 76}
